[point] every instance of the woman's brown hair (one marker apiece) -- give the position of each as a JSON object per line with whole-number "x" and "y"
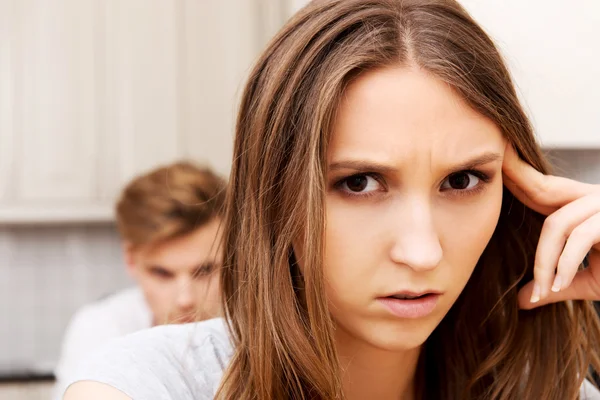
{"x": 485, "y": 348}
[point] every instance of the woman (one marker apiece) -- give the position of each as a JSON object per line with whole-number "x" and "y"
{"x": 382, "y": 233}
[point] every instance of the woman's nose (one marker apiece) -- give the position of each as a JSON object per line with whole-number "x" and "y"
{"x": 416, "y": 243}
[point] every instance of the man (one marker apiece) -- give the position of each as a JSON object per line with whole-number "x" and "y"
{"x": 169, "y": 222}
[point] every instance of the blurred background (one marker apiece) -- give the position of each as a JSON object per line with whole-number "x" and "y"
{"x": 93, "y": 92}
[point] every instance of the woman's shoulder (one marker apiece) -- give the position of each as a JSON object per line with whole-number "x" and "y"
{"x": 166, "y": 362}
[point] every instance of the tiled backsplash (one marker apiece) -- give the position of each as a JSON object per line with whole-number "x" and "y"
{"x": 47, "y": 272}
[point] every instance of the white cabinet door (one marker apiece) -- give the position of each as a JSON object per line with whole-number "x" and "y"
{"x": 6, "y": 98}
{"x": 174, "y": 73}
{"x": 91, "y": 99}
{"x": 48, "y": 110}
{"x": 553, "y": 49}
{"x": 214, "y": 71}
{"x": 141, "y": 100}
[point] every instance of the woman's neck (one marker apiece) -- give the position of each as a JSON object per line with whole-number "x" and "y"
{"x": 372, "y": 373}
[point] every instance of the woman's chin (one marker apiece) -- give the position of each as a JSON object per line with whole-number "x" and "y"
{"x": 404, "y": 341}
{"x": 394, "y": 336}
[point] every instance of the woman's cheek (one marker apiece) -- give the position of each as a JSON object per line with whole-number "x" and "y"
{"x": 466, "y": 228}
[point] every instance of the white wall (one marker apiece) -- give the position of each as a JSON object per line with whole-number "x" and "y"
{"x": 553, "y": 51}
{"x": 295, "y": 5}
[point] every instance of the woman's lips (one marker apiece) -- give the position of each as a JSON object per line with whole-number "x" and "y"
{"x": 417, "y": 307}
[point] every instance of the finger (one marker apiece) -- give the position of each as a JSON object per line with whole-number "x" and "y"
{"x": 523, "y": 198}
{"x": 578, "y": 245}
{"x": 583, "y": 287}
{"x": 557, "y": 230}
{"x": 545, "y": 190}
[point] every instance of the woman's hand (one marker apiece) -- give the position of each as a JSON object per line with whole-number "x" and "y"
{"x": 570, "y": 232}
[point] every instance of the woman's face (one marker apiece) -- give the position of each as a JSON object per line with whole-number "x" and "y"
{"x": 414, "y": 195}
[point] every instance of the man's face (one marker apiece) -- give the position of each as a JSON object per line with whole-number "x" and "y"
{"x": 180, "y": 278}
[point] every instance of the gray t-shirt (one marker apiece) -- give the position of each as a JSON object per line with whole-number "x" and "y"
{"x": 176, "y": 362}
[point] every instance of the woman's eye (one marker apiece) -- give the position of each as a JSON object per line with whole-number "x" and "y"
{"x": 461, "y": 181}
{"x": 360, "y": 183}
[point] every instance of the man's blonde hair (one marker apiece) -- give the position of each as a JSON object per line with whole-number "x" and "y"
{"x": 169, "y": 202}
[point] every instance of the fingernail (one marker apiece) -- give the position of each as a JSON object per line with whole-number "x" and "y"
{"x": 557, "y": 285}
{"x": 535, "y": 295}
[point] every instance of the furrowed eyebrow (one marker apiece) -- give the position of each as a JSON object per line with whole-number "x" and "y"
{"x": 360, "y": 165}
{"x": 475, "y": 162}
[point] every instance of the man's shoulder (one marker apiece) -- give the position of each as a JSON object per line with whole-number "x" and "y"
{"x": 131, "y": 297}
{"x": 124, "y": 310}
{"x": 111, "y": 317}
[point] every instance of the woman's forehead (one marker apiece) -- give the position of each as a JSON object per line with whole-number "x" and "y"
{"x": 396, "y": 113}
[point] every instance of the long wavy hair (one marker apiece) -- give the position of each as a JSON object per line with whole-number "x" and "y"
{"x": 282, "y": 331}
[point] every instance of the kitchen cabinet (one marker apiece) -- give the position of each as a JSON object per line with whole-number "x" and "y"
{"x": 48, "y": 101}
{"x": 94, "y": 92}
